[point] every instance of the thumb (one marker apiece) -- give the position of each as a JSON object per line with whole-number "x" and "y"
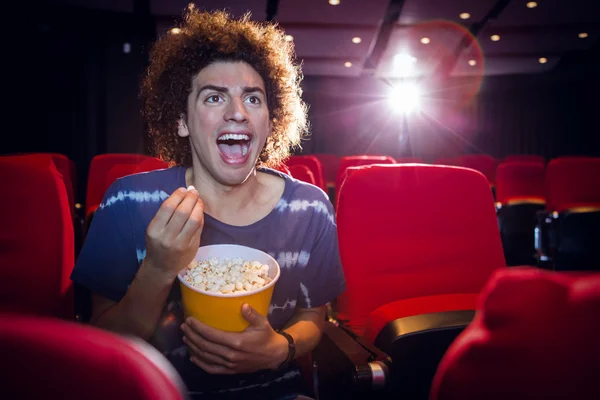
{"x": 252, "y": 316}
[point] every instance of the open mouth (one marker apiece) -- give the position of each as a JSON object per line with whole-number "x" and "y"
{"x": 234, "y": 147}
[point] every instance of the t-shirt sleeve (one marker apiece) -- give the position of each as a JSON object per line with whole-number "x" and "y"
{"x": 323, "y": 278}
{"x": 108, "y": 260}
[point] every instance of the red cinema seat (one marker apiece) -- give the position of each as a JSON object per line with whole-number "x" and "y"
{"x": 521, "y": 197}
{"x": 453, "y": 161}
{"x": 483, "y": 163}
{"x": 36, "y": 237}
{"x": 520, "y": 182}
{"x": 120, "y": 170}
{"x": 99, "y": 170}
{"x": 151, "y": 164}
{"x": 314, "y": 165}
{"x": 526, "y": 158}
{"x": 414, "y": 261}
{"x": 409, "y": 160}
{"x": 573, "y": 188}
{"x": 330, "y": 164}
{"x": 283, "y": 168}
{"x": 573, "y": 182}
{"x": 302, "y": 173}
{"x": 64, "y": 166}
{"x": 356, "y": 161}
{"x": 74, "y": 361}
{"x": 535, "y": 336}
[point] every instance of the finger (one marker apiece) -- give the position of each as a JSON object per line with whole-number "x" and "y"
{"x": 210, "y": 358}
{"x": 167, "y": 208}
{"x": 212, "y": 369}
{"x": 253, "y": 317}
{"x": 207, "y": 346}
{"x": 194, "y": 223}
{"x": 182, "y": 213}
{"x": 230, "y": 340}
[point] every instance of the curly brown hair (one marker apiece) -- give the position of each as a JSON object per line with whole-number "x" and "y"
{"x": 208, "y": 37}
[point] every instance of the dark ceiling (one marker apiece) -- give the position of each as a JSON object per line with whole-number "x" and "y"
{"x": 532, "y": 40}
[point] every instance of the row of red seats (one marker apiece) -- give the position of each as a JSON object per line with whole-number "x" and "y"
{"x": 43, "y": 349}
{"x": 328, "y": 168}
{"x": 415, "y": 264}
{"x": 523, "y": 187}
{"x": 560, "y": 201}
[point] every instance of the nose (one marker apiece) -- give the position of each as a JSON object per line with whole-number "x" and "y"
{"x": 236, "y": 111}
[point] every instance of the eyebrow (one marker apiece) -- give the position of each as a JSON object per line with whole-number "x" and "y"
{"x": 223, "y": 89}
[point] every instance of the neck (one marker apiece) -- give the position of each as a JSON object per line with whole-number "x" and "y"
{"x": 220, "y": 200}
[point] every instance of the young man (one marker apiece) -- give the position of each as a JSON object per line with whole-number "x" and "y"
{"x": 222, "y": 102}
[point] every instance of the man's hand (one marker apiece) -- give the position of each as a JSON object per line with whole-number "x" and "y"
{"x": 258, "y": 347}
{"x": 173, "y": 235}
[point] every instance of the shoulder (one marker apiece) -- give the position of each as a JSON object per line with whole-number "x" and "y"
{"x": 303, "y": 198}
{"x": 144, "y": 187}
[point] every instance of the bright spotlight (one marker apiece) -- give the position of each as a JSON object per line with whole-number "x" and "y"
{"x": 404, "y": 64}
{"x": 405, "y": 98}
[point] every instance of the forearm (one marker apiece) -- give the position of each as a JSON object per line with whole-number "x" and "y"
{"x": 139, "y": 310}
{"x": 306, "y": 327}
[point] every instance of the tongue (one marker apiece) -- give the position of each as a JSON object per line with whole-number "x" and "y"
{"x": 231, "y": 150}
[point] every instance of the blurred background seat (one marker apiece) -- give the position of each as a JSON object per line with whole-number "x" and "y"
{"x": 315, "y": 167}
{"x": 520, "y": 197}
{"x": 36, "y": 237}
{"x": 303, "y": 173}
{"x": 47, "y": 356}
{"x": 535, "y": 336}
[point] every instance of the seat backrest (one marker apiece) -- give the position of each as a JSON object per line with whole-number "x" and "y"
{"x": 97, "y": 176}
{"x": 302, "y": 173}
{"x": 64, "y": 166}
{"x": 573, "y": 182}
{"x": 356, "y": 161}
{"x": 525, "y": 157}
{"x": 535, "y": 336}
{"x": 483, "y": 163}
{"x": 330, "y": 164}
{"x": 400, "y": 239}
{"x": 447, "y": 161}
{"x": 36, "y": 237}
{"x": 409, "y": 160}
{"x": 315, "y": 167}
{"x": 150, "y": 164}
{"x": 520, "y": 181}
{"x": 119, "y": 171}
{"x": 283, "y": 168}
{"x": 75, "y": 361}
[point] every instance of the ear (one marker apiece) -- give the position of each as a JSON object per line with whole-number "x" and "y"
{"x": 182, "y": 129}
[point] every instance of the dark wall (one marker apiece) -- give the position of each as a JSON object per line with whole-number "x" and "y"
{"x": 80, "y": 97}
{"x": 81, "y": 88}
{"x": 548, "y": 114}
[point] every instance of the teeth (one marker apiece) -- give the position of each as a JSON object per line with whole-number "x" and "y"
{"x": 234, "y": 136}
{"x": 244, "y": 150}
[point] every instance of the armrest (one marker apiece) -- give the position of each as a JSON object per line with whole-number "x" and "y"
{"x": 545, "y": 237}
{"x": 347, "y": 366}
{"x": 418, "y": 324}
{"x": 417, "y": 344}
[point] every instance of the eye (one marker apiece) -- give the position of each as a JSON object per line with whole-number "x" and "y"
{"x": 215, "y": 98}
{"x": 253, "y": 100}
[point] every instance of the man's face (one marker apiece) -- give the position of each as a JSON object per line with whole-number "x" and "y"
{"x": 227, "y": 120}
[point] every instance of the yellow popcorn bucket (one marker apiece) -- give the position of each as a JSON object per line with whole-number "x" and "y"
{"x": 224, "y": 311}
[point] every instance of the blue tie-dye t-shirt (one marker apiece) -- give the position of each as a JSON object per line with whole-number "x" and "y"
{"x": 300, "y": 233}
